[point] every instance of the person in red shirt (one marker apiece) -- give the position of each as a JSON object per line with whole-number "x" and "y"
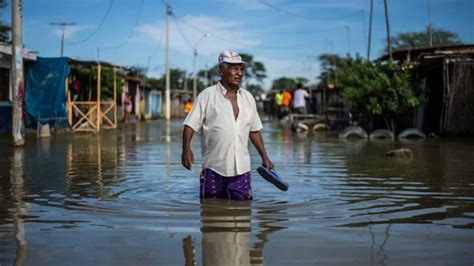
{"x": 286, "y": 102}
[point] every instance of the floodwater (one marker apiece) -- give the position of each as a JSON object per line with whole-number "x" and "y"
{"x": 123, "y": 198}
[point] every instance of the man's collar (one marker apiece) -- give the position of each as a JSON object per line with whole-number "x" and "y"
{"x": 224, "y": 90}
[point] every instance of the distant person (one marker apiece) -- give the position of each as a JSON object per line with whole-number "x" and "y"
{"x": 299, "y": 99}
{"x": 188, "y": 104}
{"x": 279, "y": 102}
{"x": 227, "y": 117}
{"x": 127, "y": 107}
{"x": 142, "y": 107}
{"x": 76, "y": 86}
{"x": 285, "y": 105}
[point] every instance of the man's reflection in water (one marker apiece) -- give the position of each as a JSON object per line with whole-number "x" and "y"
{"x": 226, "y": 234}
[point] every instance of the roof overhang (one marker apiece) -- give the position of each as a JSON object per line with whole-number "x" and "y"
{"x": 27, "y": 54}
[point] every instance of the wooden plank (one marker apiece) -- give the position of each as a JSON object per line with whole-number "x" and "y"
{"x": 99, "y": 79}
{"x": 115, "y": 97}
{"x": 84, "y": 117}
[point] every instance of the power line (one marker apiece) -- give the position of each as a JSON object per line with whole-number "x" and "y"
{"x": 111, "y": 3}
{"x": 217, "y": 36}
{"x": 269, "y": 32}
{"x": 157, "y": 48}
{"x": 284, "y": 11}
{"x": 181, "y": 32}
{"x": 131, "y": 32}
{"x": 63, "y": 26}
{"x": 301, "y": 16}
{"x": 294, "y": 32}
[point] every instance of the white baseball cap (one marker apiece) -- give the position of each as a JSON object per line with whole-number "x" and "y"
{"x": 230, "y": 57}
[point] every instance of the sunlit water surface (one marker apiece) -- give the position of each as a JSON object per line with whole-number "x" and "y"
{"x": 123, "y": 198}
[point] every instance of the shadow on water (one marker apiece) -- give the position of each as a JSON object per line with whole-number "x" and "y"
{"x": 122, "y": 197}
{"x": 226, "y": 233}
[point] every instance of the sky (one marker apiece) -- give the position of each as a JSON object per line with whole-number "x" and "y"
{"x": 286, "y": 35}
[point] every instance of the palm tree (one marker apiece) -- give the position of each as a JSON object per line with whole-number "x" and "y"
{"x": 253, "y": 69}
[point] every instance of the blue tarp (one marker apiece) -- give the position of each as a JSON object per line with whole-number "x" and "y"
{"x": 45, "y": 96}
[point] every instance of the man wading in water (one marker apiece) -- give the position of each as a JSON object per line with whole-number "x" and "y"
{"x": 227, "y": 117}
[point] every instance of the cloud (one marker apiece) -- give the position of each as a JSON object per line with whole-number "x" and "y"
{"x": 223, "y": 33}
{"x": 249, "y": 5}
{"x": 71, "y": 30}
{"x": 256, "y": 5}
{"x": 226, "y": 34}
{"x": 352, "y": 4}
{"x": 277, "y": 68}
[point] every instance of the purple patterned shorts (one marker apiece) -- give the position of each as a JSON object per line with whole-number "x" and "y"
{"x": 213, "y": 185}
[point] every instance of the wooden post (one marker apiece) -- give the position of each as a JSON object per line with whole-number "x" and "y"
{"x": 370, "y": 28}
{"x": 167, "y": 66}
{"x": 18, "y": 127}
{"x": 98, "y": 96}
{"x": 389, "y": 38}
{"x": 115, "y": 97}
{"x": 69, "y": 107}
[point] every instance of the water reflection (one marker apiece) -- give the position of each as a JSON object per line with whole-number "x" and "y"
{"x": 415, "y": 190}
{"x": 19, "y": 211}
{"x": 226, "y": 228}
{"x": 13, "y": 208}
{"x": 347, "y": 202}
{"x": 92, "y": 164}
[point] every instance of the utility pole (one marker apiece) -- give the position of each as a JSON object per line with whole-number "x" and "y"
{"x": 370, "y": 28}
{"x": 18, "y": 128}
{"x": 167, "y": 65}
{"x": 430, "y": 25}
{"x": 63, "y": 26}
{"x": 206, "y": 75}
{"x": 194, "y": 75}
{"x": 194, "y": 65}
{"x": 348, "y": 29}
{"x": 389, "y": 38}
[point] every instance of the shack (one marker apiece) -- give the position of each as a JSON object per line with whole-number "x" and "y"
{"x": 70, "y": 92}
{"x": 446, "y": 76}
{"x": 178, "y": 99}
{"x": 6, "y": 84}
{"x": 152, "y": 101}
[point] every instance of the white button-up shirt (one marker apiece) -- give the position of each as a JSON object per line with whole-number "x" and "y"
{"x": 224, "y": 139}
{"x": 299, "y": 99}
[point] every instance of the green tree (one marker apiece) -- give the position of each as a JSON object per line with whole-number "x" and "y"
{"x": 284, "y": 83}
{"x": 212, "y": 74}
{"x": 301, "y": 80}
{"x": 137, "y": 72}
{"x": 331, "y": 64}
{"x": 255, "y": 89}
{"x": 177, "y": 79}
{"x": 421, "y": 39}
{"x": 154, "y": 82}
{"x": 5, "y": 29}
{"x": 377, "y": 89}
{"x": 87, "y": 77}
{"x": 253, "y": 69}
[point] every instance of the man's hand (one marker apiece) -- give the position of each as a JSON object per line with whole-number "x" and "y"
{"x": 268, "y": 164}
{"x": 187, "y": 159}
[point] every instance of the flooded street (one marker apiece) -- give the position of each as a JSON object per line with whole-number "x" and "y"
{"x": 123, "y": 198}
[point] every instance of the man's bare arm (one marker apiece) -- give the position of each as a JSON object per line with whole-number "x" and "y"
{"x": 257, "y": 141}
{"x": 187, "y": 157}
